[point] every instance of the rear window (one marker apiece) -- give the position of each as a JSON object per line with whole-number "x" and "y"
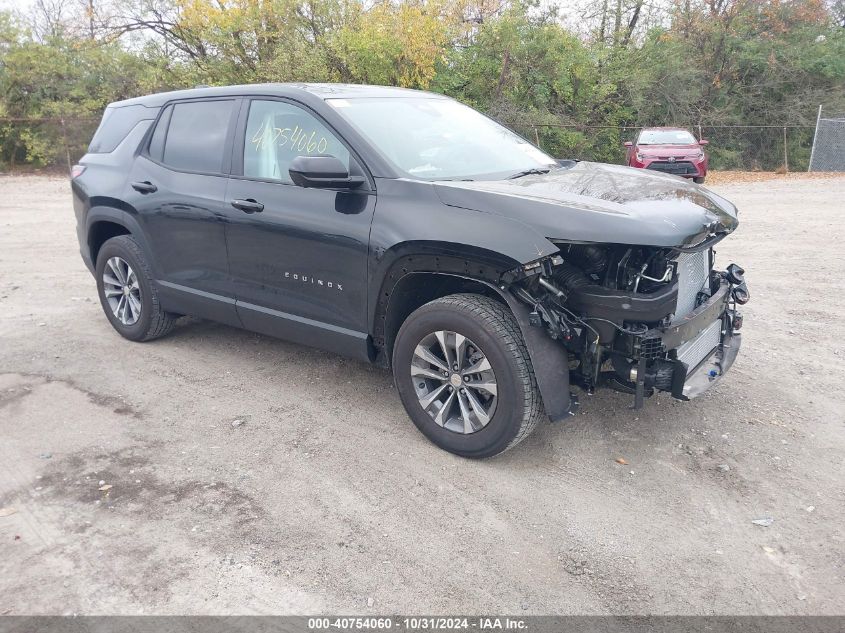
{"x": 196, "y": 135}
{"x": 116, "y": 124}
{"x": 666, "y": 137}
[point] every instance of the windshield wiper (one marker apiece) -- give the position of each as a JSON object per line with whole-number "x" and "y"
{"x": 529, "y": 172}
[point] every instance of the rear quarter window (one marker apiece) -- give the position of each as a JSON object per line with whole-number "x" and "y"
{"x": 116, "y": 124}
{"x": 156, "y": 150}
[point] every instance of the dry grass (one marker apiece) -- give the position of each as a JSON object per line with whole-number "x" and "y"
{"x": 730, "y": 177}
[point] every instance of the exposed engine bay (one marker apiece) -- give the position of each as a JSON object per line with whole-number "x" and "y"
{"x": 637, "y": 318}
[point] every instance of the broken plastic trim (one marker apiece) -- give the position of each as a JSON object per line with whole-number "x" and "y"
{"x": 705, "y": 244}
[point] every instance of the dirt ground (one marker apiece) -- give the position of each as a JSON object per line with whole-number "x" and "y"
{"x": 715, "y": 178}
{"x": 251, "y": 475}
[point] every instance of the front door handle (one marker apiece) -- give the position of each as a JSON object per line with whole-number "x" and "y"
{"x": 144, "y": 187}
{"x": 248, "y": 206}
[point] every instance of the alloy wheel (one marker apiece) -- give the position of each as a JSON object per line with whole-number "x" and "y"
{"x": 123, "y": 294}
{"x": 454, "y": 382}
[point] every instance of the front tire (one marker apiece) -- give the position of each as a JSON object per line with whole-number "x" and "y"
{"x": 127, "y": 294}
{"x": 464, "y": 376}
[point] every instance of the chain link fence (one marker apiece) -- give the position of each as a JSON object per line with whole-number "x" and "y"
{"x": 44, "y": 142}
{"x": 828, "y": 152}
{"x": 57, "y": 143}
{"x": 778, "y": 148}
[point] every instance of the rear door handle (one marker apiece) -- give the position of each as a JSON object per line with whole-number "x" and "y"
{"x": 144, "y": 187}
{"x": 248, "y": 206}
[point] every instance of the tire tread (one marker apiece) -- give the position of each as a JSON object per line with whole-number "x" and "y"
{"x": 498, "y": 318}
{"x": 161, "y": 322}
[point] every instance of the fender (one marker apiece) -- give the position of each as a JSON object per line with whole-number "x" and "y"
{"x": 412, "y": 230}
{"x": 411, "y": 211}
{"x": 549, "y": 359}
{"x": 460, "y": 261}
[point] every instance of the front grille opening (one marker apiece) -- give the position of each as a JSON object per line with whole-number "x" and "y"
{"x": 680, "y": 168}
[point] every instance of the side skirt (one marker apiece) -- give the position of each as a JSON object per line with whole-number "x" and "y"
{"x": 205, "y": 305}
{"x": 305, "y": 331}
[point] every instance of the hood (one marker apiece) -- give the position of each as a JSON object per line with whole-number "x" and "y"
{"x": 594, "y": 202}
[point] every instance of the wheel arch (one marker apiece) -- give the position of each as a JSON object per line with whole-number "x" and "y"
{"x": 101, "y": 231}
{"x": 414, "y": 273}
{"x": 416, "y": 279}
{"x": 105, "y": 222}
{"x": 415, "y": 289}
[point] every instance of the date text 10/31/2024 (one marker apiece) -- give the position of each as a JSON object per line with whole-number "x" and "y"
{"x": 417, "y": 623}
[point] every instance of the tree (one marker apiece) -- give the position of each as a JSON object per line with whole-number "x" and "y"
{"x": 695, "y": 63}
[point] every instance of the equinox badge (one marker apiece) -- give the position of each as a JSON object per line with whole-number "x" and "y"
{"x": 310, "y": 279}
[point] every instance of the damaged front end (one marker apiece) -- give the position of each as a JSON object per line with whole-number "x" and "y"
{"x": 638, "y": 319}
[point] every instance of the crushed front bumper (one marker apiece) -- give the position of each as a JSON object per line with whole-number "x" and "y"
{"x": 708, "y": 372}
{"x": 699, "y": 349}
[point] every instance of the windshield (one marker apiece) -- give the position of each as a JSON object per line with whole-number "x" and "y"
{"x": 666, "y": 137}
{"x": 440, "y": 139}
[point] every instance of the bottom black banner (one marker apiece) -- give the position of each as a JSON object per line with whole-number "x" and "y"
{"x": 438, "y": 624}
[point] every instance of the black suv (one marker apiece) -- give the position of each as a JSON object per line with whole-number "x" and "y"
{"x": 406, "y": 229}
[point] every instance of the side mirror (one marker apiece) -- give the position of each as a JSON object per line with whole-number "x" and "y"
{"x": 628, "y": 144}
{"x": 703, "y": 141}
{"x": 322, "y": 172}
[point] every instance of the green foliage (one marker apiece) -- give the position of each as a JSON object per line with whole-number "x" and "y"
{"x": 710, "y": 64}
{"x": 526, "y": 70}
{"x": 58, "y": 79}
{"x": 393, "y": 44}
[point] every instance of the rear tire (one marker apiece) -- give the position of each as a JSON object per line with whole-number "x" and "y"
{"x": 127, "y": 294}
{"x": 699, "y": 180}
{"x": 477, "y": 413}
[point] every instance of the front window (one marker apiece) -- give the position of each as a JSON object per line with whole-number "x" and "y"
{"x": 277, "y": 132}
{"x": 666, "y": 137}
{"x": 440, "y": 139}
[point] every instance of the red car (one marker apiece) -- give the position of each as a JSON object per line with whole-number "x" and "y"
{"x": 670, "y": 150}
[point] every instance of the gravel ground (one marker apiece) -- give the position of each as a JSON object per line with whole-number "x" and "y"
{"x": 251, "y": 475}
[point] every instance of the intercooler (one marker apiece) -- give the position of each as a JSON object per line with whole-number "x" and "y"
{"x": 694, "y": 351}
